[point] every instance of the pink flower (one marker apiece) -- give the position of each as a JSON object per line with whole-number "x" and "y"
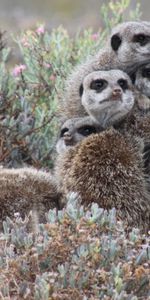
{"x": 40, "y": 30}
{"x": 18, "y": 69}
{"x": 94, "y": 36}
{"x": 52, "y": 77}
{"x": 46, "y": 65}
{"x": 25, "y": 42}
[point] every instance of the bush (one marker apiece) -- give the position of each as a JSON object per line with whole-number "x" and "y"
{"x": 29, "y": 92}
{"x": 79, "y": 254}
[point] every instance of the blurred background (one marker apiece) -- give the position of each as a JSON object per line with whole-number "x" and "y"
{"x": 72, "y": 14}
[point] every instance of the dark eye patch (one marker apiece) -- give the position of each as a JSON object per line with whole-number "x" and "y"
{"x": 115, "y": 42}
{"x": 86, "y": 130}
{"x": 98, "y": 85}
{"x": 133, "y": 77}
{"x": 141, "y": 38}
{"x": 123, "y": 84}
{"x": 63, "y": 130}
{"x": 146, "y": 73}
{"x": 81, "y": 90}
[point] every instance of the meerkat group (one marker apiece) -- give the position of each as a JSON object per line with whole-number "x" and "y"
{"x": 127, "y": 49}
{"x": 109, "y": 167}
{"x": 103, "y": 145}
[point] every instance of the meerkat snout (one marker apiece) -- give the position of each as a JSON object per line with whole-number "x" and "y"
{"x": 67, "y": 137}
{"x": 107, "y": 96}
{"x": 116, "y": 93}
{"x": 65, "y": 133}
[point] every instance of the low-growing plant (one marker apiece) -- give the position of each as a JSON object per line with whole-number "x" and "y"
{"x": 85, "y": 255}
{"x": 30, "y": 91}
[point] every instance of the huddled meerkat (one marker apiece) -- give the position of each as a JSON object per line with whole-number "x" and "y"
{"x": 27, "y": 189}
{"x": 121, "y": 106}
{"x": 111, "y": 100}
{"x": 105, "y": 168}
{"x": 75, "y": 130}
{"x": 107, "y": 96}
{"x": 142, "y": 80}
{"x": 128, "y": 48}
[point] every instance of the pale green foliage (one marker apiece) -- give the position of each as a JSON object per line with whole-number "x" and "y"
{"x": 80, "y": 255}
{"x": 116, "y": 12}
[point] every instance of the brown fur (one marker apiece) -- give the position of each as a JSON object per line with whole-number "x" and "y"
{"x": 106, "y": 169}
{"x": 27, "y": 189}
{"x": 137, "y": 122}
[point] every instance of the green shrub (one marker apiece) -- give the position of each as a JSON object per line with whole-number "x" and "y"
{"x": 29, "y": 92}
{"x": 79, "y": 254}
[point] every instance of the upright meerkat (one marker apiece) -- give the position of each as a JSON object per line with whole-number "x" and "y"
{"x": 128, "y": 47}
{"x": 111, "y": 100}
{"x": 105, "y": 168}
{"x": 75, "y": 130}
{"x": 107, "y": 96}
{"x": 27, "y": 189}
{"x": 142, "y": 80}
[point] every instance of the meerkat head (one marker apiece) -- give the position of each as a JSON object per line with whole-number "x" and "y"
{"x": 131, "y": 42}
{"x": 142, "y": 80}
{"x": 75, "y": 130}
{"x": 107, "y": 96}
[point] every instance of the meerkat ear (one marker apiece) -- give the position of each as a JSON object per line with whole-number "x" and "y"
{"x": 115, "y": 42}
{"x": 81, "y": 90}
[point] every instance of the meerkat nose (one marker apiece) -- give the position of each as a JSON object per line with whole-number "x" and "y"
{"x": 67, "y": 134}
{"x": 116, "y": 92}
{"x": 67, "y": 137}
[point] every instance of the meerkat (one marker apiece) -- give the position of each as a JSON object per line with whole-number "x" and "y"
{"x": 111, "y": 100}
{"x": 75, "y": 130}
{"x": 107, "y": 96}
{"x": 105, "y": 168}
{"x": 142, "y": 83}
{"x": 128, "y": 47}
{"x": 142, "y": 80}
{"x": 27, "y": 189}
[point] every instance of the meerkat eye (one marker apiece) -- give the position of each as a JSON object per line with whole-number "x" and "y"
{"x": 123, "y": 84}
{"x": 142, "y": 39}
{"x": 98, "y": 85}
{"x": 63, "y": 130}
{"x": 115, "y": 42}
{"x": 87, "y": 130}
{"x": 81, "y": 90}
{"x": 146, "y": 73}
